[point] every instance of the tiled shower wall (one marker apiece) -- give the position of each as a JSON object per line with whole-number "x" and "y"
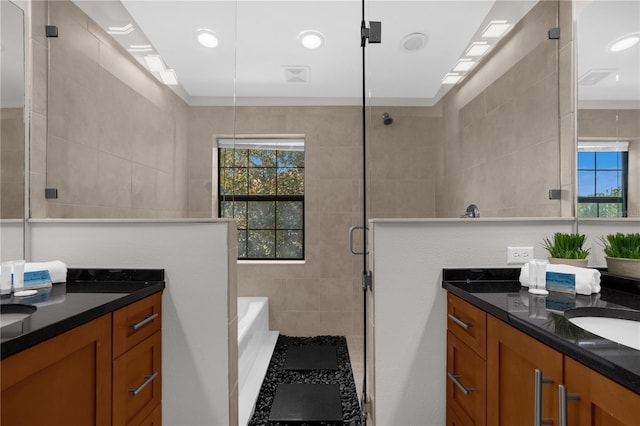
{"x": 508, "y": 127}
{"x": 105, "y": 133}
{"x": 12, "y": 161}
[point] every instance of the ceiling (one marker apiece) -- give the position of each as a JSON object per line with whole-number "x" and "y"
{"x": 600, "y": 23}
{"x": 259, "y": 45}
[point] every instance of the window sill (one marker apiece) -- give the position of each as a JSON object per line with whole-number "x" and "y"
{"x": 271, "y": 262}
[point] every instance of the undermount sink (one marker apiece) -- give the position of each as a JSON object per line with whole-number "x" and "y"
{"x": 15, "y": 312}
{"x": 618, "y": 325}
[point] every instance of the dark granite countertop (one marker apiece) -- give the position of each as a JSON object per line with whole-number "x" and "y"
{"x": 87, "y": 295}
{"x": 499, "y": 293}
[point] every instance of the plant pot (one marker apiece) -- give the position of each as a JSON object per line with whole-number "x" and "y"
{"x": 624, "y": 267}
{"x": 581, "y": 263}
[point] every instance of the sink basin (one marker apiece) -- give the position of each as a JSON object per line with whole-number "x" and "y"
{"x": 15, "y": 312}
{"x": 618, "y": 325}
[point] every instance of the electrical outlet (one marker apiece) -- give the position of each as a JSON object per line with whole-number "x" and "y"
{"x": 519, "y": 254}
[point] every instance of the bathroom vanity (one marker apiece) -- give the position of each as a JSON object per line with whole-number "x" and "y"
{"x": 514, "y": 358}
{"x": 90, "y": 353}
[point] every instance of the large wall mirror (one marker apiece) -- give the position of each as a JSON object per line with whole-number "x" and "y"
{"x": 12, "y": 128}
{"x": 133, "y": 104}
{"x": 608, "y": 71}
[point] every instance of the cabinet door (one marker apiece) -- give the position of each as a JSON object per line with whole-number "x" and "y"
{"x": 512, "y": 358}
{"x": 137, "y": 382}
{"x": 65, "y": 380}
{"x": 466, "y": 383}
{"x": 601, "y": 401}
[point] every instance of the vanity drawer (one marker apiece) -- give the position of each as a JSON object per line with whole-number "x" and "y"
{"x": 137, "y": 382}
{"x": 466, "y": 384}
{"x": 468, "y": 323}
{"x": 135, "y": 322}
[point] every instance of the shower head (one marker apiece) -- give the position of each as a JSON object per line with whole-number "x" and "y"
{"x": 386, "y": 119}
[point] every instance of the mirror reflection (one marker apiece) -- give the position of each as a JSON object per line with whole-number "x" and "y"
{"x": 12, "y": 130}
{"x": 136, "y": 138}
{"x": 608, "y": 70}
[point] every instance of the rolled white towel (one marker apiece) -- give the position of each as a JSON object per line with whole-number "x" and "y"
{"x": 587, "y": 279}
{"x": 57, "y": 269}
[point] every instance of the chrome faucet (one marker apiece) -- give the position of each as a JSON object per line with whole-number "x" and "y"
{"x": 472, "y": 211}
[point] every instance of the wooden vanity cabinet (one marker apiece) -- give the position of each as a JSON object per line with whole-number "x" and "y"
{"x": 503, "y": 379}
{"x": 63, "y": 381}
{"x": 104, "y": 372}
{"x": 466, "y": 363}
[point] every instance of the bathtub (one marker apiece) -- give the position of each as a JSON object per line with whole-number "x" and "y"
{"x": 255, "y": 347}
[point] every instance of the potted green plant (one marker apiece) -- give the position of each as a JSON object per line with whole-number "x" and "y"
{"x": 623, "y": 254}
{"x": 567, "y": 249}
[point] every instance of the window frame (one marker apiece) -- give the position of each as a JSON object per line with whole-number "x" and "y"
{"x": 596, "y": 147}
{"x": 275, "y": 198}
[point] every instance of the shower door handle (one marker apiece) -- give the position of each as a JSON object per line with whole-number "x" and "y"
{"x": 351, "y": 230}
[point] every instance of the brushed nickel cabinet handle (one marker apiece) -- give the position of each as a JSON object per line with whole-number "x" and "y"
{"x": 465, "y": 325}
{"x": 538, "y": 381}
{"x": 563, "y": 397}
{"x": 145, "y": 321}
{"x": 455, "y": 379}
{"x": 148, "y": 379}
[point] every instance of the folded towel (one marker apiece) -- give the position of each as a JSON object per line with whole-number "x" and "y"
{"x": 57, "y": 269}
{"x": 587, "y": 279}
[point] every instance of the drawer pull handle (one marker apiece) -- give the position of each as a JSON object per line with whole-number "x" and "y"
{"x": 465, "y": 325}
{"x": 144, "y": 322}
{"x": 563, "y": 397}
{"x": 538, "y": 381}
{"x": 148, "y": 379}
{"x": 454, "y": 378}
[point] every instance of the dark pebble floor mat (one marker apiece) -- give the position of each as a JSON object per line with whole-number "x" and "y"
{"x": 277, "y": 375}
{"x": 311, "y": 358}
{"x": 311, "y": 403}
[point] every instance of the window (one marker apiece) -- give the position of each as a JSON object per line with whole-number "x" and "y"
{"x": 261, "y": 185}
{"x": 602, "y": 179}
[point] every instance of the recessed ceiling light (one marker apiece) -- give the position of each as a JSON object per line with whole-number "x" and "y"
{"x": 478, "y": 48}
{"x": 207, "y": 38}
{"x": 311, "y": 39}
{"x": 127, "y": 29}
{"x": 624, "y": 43}
{"x": 464, "y": 65}
{"x": 154, "y": 63}
{"x": 169, "y": 77}
{"x": 495, "y": 29}
{"x": 414, "y": 41}
{"x": 140, "y": 48}
{"x": 451, "y": 78}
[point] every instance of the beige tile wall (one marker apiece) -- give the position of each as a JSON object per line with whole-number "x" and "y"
{"x": 106, "y": 134}
{"x": 322, "y": 295}
{"x": 136, "y": 150}
{"x": 11, "y": 163}
{"x": 618, "y": 124}
{"x": 502, "y": 148}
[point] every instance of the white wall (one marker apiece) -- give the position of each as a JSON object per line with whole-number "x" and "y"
{"x": 11, "y": 238}
{"x": 194, "y": 255}
{"x": 410, "y": 304}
